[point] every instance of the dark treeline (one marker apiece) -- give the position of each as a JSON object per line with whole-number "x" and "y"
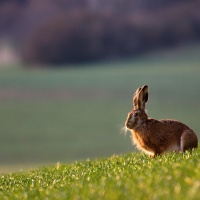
{"x": 74, "y": 31}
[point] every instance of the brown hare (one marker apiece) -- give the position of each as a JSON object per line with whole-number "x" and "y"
{"x": 156, "y": 137}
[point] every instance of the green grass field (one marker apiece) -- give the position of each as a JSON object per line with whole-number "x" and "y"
{"x": 63, "y": 115}
{"x": 131, "y": 176}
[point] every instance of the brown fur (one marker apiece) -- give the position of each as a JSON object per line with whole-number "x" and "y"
{"x": 156, "y": 137}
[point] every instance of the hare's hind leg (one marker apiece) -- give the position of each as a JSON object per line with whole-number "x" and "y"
{"x": 188, "y": 140}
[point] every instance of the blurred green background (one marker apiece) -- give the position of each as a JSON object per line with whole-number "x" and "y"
{"x": 63, "y": 115}
{"x": 69, "y": 68}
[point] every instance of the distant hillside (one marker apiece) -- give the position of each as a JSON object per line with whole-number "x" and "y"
{"x": 71, "y": 31}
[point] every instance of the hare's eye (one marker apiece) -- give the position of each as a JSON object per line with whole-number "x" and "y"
{"x": 135, "y": 114}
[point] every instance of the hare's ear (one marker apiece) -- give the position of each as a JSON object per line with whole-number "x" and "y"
{"x": 145, "y": 93}
{"x": 135, "y": 98}
{"x": 140, "y": 97}
{"x": 143, "y": 97}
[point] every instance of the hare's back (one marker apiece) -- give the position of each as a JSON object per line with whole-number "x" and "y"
{"x": 168, "y": 127}
{"x": 173, "y": 124}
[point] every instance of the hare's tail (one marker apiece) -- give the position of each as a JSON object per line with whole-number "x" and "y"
{"x": 188, "y": 141}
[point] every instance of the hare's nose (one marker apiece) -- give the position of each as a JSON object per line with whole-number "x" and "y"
{"x": 128, "y": 124}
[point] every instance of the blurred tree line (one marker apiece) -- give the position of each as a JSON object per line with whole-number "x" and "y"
{"x": 57, "y": 32}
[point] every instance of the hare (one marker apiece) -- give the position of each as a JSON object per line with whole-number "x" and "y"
{"x": 156, "y": 137}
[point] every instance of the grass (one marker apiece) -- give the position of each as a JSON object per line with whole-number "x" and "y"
{"x": 71, "y": 114}
{"x": 129, "y": 176}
